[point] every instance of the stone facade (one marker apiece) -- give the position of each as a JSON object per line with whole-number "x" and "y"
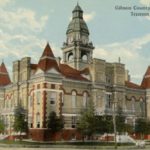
{"x": 67, "y": 87}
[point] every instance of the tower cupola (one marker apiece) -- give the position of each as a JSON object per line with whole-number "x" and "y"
{"x": 77, "y": 50}
{"x": 77, "y": 28}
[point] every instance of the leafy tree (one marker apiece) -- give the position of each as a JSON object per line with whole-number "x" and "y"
{"x": 87, "y": 121}
{"x": 54, "y": 122}
{"x": 104, "y": 124}
{"x": 2, "y": 126}
{"x": 120, "y": 121}
{"x": 129, "y": 128}
{"x": 142, "y": 127}
{"x": 20, "y": 123}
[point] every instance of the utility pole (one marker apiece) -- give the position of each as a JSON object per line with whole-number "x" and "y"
{"x": 114, "y": 123}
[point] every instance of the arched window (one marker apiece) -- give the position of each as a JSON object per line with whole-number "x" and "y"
{"x": 141, "y": 105}
{"x": 73, "y": 99}
{"x": 85, "y": 97}
{"x": 84, "y": 58}
{"x": 53, "y": 97}
{"x": 70, "y": 56}
{"x": 38, "y": 120}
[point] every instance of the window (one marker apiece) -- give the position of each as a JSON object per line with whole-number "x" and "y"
{"x": 84, "y": 57}
{"x": 30, "y": 122}
{"x": 53, "y": 86}
{"x": 38, "y": 120}
{"x": 141, "y": 106}
{"x": 108, "y": 79}
{"x": 133, "y": 104}
{"x": 38, "y": 97}
{"x": 70, "y": 56}
{"x": 85, "y": 96}
{"x": 62, "y": 99}
{"x": 73, "y": 99}
{"x": 108, "y": 100}
{"x": 52, "y": 98}
{"x": 73, "y": 121}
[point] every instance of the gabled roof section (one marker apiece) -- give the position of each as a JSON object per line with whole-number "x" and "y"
{"x": 146, "y": 79}
{"x": 4, "y": 76}
{"x": 132, "y": 85}
{"x": 47, "y": 52}
{"x": 47, "y": 60}
{"x": 3, "y": 68}
{"x": 71, "y": 73}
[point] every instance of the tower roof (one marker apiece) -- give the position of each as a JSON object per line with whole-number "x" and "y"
{"x": 4, "y": 76}
{"x": 77, "y": 8}
{"x": 47, "y": 52}
{"x": 146, "y": 79}
{"x": 3, "y": 68}
{"x": 77, "y": 23}
{"x": 47, "y": 60}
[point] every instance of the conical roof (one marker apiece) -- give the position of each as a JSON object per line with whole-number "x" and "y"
{"x": 77, "y": 8}
{"x": 47, "y": 52}
{"x": 3, "y": 68}
{"x": 47, "y": 60}
{"x": 4, "y": 76}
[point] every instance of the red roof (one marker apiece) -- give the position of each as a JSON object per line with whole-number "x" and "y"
{"x": 71, "y": 73}
{"x": 132, "y": 85}
{"x": 4, "y": 76}
{"x": 48, "y": 51}
{"x": 47, "y": 60}
{"x": 34, "y": 66}
{"x": 146, "y": 79}
{"x": 3, "y": 68}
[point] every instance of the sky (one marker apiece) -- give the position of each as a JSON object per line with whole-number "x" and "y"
{"x": 27, "y": 25}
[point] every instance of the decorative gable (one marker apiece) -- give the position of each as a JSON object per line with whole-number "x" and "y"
{"x": 39, "y": 71}
{"x": 53, "y": 70}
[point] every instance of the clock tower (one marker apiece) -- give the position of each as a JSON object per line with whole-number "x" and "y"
{"x": 77, "y": 50}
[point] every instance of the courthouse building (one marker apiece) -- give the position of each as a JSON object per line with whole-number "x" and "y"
{"x": 66, "y": 85}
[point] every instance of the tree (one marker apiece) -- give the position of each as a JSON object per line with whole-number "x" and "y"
{"x": 2, "y": 126}
{"x": 20, "y": 122}
{"x": 54, "y": 122}
{"x": 87, "y": 121}
{"x": 142, "y": 127}
{"x": 129, "y": 128}
{"x": 120, "y": 121}
{"x": 104, "y": 124}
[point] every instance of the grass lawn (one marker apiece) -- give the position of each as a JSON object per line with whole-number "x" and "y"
{"x": 75, "y": 143}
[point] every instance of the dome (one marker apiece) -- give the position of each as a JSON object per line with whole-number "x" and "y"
{"x": 77, "y": 23}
